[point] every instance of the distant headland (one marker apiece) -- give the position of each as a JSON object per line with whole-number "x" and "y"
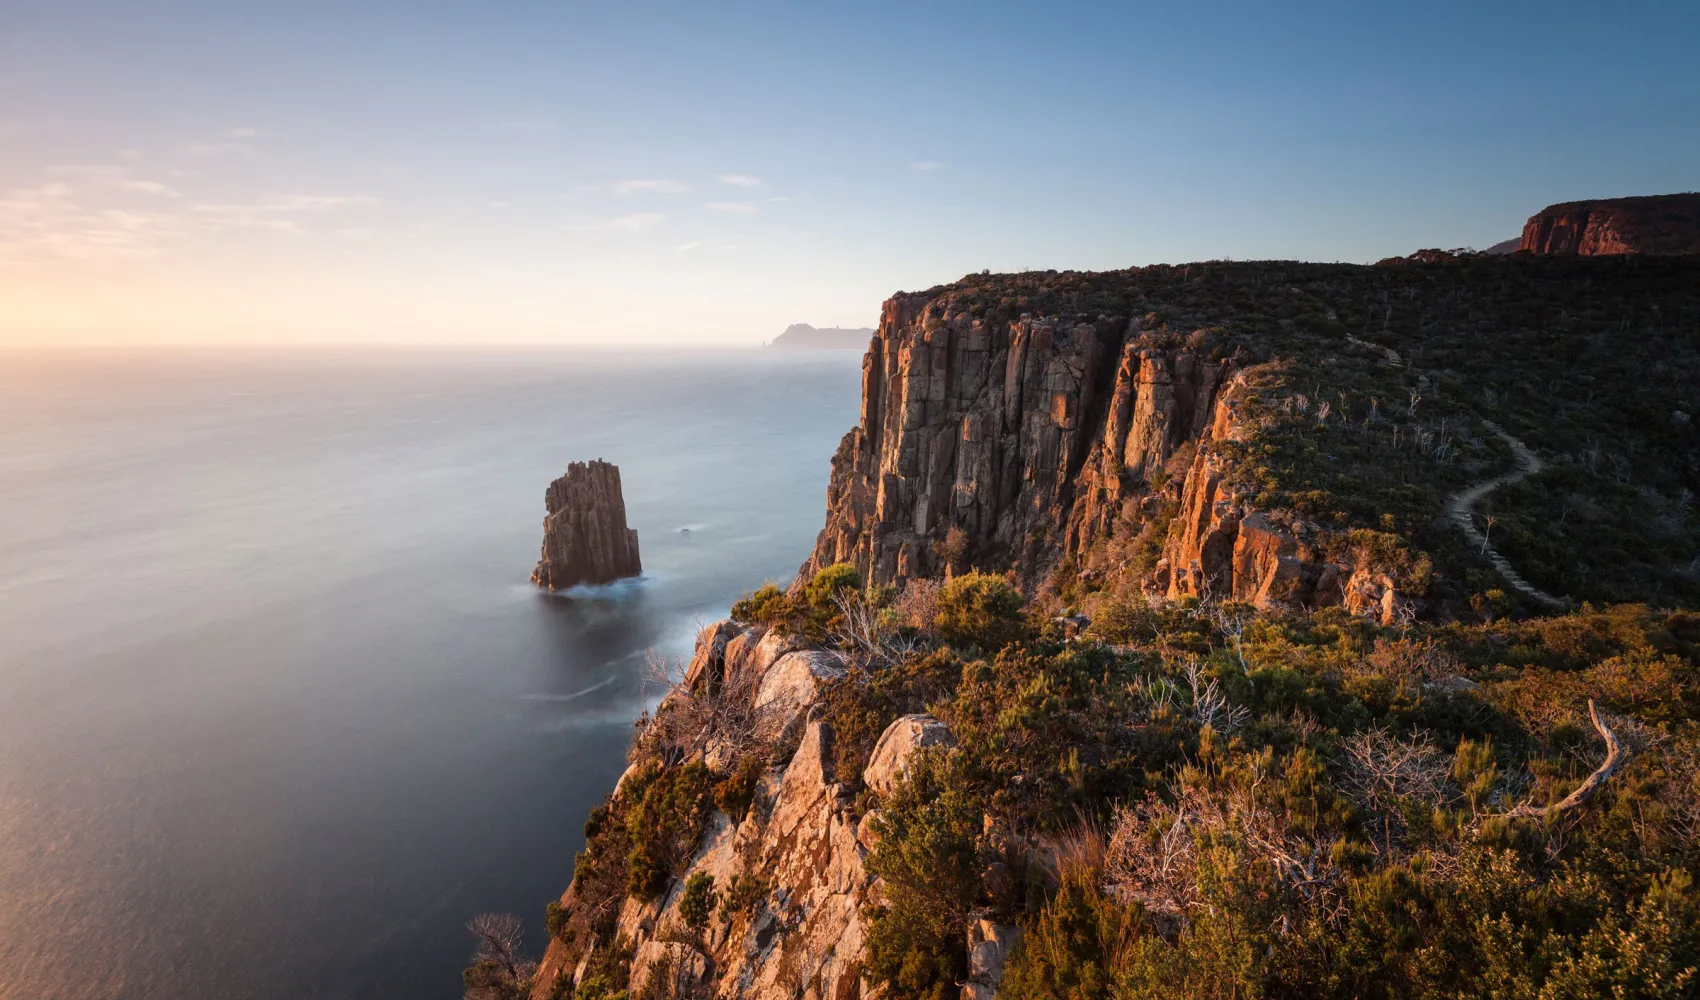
{"x": 802, "y": 335}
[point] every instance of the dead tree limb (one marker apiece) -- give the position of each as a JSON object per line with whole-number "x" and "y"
{"x": 1615, "y": 756}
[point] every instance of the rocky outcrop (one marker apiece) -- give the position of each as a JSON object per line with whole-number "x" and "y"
{"x": 801, "y": 845}
{"x": 585, "y": 538}
{"x": 1668, "y": 223}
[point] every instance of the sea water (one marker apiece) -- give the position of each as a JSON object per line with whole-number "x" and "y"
{"x": 279, "y": 710}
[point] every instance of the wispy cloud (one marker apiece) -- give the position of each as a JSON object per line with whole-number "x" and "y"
{"x": 113, "y": 178}
{"x": 686, "y": 247}
{"x": 781, "y": 199}
{"x": 636, "y": 222}
{"x": 50, "y": 220}
{"x": 925, "y": 165}
{"x": 739, "y": 180}
{"x": 736, "y": 207}
{"x": 108, "y": 211}
{"x": 649, "y": 186}
{"x": 280, "y": 213}
{"x": 235, "y": 140}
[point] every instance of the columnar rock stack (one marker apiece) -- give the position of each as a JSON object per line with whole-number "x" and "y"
{"x": 585, "y": 538}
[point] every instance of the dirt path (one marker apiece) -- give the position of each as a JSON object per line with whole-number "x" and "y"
{"x": 1389, "y": 353}
{"x": 1462, "y": 502}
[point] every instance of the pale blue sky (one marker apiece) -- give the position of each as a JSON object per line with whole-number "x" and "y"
{"x": 688, "y": 172}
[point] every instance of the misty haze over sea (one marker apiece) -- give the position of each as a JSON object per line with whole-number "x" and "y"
{"x": 279, "y": 710}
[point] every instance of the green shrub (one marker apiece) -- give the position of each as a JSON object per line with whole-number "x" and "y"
{"x": 767, "y": 605}
{"x": 663, "y": 821}
{"x": 1075, "y": 948}
{"x": 980, "y": 610}
{"x": 734, "y": 793}
{"x": 862, "y": 703}
{"x": 697, "y": 901}
{"x": 929, "y": 854}
{"x": 834, "y": 580}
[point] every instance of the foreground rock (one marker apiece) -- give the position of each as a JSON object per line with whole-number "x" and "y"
{"x": 799, "y": 933}
{"x": 585, "y": 538}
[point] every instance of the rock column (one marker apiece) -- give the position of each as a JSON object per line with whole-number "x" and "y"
{"x": 585, "y": 538}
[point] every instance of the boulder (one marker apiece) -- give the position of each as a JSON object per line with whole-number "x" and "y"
{"x": 751, "y": 653}
{"x": 890, "y": 760}
{"x": 788, "y": 688}
{"x": 708, "y": 662}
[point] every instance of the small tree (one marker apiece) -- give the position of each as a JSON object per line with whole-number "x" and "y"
{"x": 499, "y": 970}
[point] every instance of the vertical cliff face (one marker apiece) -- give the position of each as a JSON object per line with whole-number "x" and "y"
{"x": 1089, "y": 445}
{"x": 993, "y": 440}
{"x": 1653, "y": 224}
{"x": 585, "y": 538}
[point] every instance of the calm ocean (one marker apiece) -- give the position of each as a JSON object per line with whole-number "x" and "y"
{"x": 279, "y": 710}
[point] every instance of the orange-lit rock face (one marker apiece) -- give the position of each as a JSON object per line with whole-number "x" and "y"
{"x": 1656, "y": 224}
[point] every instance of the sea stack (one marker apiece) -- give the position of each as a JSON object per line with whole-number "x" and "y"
{"x": 585, "y": 538}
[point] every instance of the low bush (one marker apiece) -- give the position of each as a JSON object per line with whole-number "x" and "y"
{"x": 980, "y": 611}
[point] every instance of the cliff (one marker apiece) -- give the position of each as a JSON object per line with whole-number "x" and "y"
{"x": 802, "y": 335}
{"x": 858, "y": 793}
{"x": 1273, "y": 433}
{"x": 585, "y": 538}
{"x": 782, "y": 866}
{"x": 1667, "y": 223}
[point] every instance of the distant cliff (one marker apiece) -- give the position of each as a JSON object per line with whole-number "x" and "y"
{"x": 1666, "y": 223}
{"x": 585, "y": 538}
{"x": 802, "y": 335}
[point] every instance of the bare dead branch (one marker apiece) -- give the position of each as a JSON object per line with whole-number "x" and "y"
{"x": 1615, "y": 756}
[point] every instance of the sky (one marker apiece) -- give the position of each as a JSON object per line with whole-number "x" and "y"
{"x": 631, "y": 173}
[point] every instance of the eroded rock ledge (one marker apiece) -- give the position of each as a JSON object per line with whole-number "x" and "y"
{"x": 585, "y": 538}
